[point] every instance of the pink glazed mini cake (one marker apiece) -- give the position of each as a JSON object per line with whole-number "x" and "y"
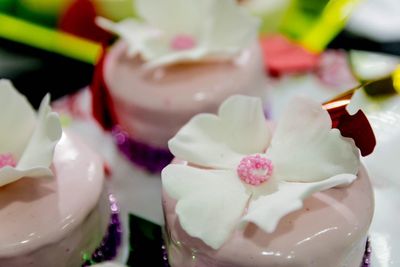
{"x": 54, "y": 208}
{"x": 242, "y": 195}
{"x": 175, "y": 67}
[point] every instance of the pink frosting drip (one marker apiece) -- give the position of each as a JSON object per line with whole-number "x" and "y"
{"x": 254, "y": 169}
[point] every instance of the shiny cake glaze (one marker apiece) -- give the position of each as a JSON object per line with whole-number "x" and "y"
{"x": 330, "y": 230}
{"x": 152, "y": 105}
{"x": 54, "y": 222}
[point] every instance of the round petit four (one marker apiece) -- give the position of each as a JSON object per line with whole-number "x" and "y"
{"x": 55, "y": 208}
{"x": 244, "y": 192}
{"x": 167, "y": 69}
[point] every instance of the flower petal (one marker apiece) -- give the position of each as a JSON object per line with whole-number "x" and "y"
{"x": 232, "y": 28}
{"x": 17, "y": 120}
{"x": 266, "y": 211}
{"x": 135, "y": 33}
{"x": 40, "y": 149}
{"x": 244, "y": 124}
{"x": 175, "y": 16}
{"x": 221, "y": 142}
{"x": 304, "y": 148}
{"x": 157, "y": 55}
{"x": 209, "y": 202}
{"x": 9, "y": 174}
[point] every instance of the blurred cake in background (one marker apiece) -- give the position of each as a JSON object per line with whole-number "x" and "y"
{"x": 55, "y": 207}
{"x": 182, "y": 58}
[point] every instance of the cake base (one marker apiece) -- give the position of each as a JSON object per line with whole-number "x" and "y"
{"x": 366, "y": 262}
{"x": 301, "y": 239}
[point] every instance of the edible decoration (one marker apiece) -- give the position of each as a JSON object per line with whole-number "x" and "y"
{"x": 254, "y": 170}
{"x": 212, "y": 200}
{"x": 176, "y": 31}
{"x": 354, "y": 126}
{"x": 7, "y": 159}
{"x": 108, "y": 248}
{"x": 150, "y": 158}
{"x": 27, "y": 139}
{"x": 367, "y": 255}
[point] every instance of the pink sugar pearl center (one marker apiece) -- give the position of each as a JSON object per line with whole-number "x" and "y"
{"x": 255, "y": 169}
{"x": 7, "y": 160}
{"x": 183, "y": 42}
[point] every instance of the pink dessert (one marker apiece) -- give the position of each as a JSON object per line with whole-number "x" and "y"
{"x": 55, "y": 221}
{"x": 330, "y": 230}
{"x": 151, "y": 105}
{"x": 163, "y": 70}
{"x": 244, "y": 192}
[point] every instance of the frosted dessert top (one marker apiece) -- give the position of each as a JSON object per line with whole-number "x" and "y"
{"x": 177, "y": 31}
{"x": 27, "y": 138}
{"x": 241, "y": 172}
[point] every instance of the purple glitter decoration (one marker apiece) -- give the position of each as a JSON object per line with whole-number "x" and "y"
{"x": 109, "y": 245}
{"x": 150, "y": 158}
{"x": 164, "y": 254}
{"x": 367, "y": 256}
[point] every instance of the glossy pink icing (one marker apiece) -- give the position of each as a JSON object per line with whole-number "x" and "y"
{"x": 152, "y": 105}
{"x": 330, "y": 231}
{"x": 51, "y": 222}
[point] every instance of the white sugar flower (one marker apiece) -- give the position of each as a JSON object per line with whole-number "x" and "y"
{"x": 240, "y": 172}
{"x": 27, "y": 139}
{"x": 185, "y": 30}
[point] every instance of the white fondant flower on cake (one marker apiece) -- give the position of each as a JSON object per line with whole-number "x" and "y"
{"x": 240, "y": 172}
{"x": 185, "y": 30}
{"x": 27, "y": 139}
